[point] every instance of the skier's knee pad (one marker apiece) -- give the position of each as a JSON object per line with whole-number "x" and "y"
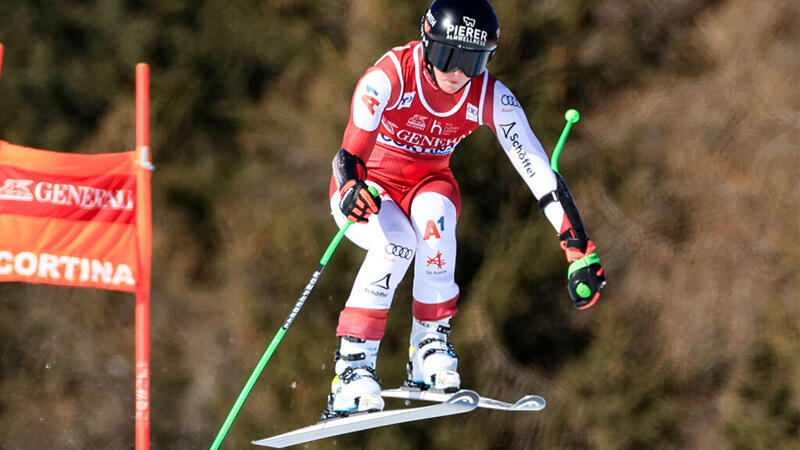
{"x": 433, "y": 215}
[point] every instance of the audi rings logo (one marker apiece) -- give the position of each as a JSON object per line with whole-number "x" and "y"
{"x": 399, "y": 251}
{"x": 510, "y": 100}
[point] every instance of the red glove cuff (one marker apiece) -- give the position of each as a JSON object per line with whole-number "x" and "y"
{"x": 574, "y": 253}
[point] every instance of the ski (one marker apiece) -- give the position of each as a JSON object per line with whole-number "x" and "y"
{"x": 457, "y": 403}
{"x": 526, "y": 403}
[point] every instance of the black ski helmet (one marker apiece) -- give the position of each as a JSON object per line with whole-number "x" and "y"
{"x": 460, "y": 34}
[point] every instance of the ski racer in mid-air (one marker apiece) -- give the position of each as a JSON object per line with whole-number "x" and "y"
{"x": 408, "y": 113}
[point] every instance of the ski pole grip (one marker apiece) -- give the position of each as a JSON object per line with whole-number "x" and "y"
{"x": 571, "y": 116}
{"x": 336, "y": 239}
{"x": 373, "y": 191}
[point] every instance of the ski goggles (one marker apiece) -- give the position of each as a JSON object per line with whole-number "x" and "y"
{"x": 448, "y": 58}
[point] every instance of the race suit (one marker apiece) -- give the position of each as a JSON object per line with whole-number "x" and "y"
{"x": 405, "y": 128}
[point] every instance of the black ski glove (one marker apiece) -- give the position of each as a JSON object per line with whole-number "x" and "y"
{"x": 586, "y": 278}
{"x": 357, "y": 203}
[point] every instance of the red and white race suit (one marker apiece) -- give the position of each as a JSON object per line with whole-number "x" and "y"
{"x": 405, "y": 128}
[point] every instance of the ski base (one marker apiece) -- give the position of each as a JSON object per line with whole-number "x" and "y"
{"x": 458, "y": 403}
{"x": 526, "y": 403}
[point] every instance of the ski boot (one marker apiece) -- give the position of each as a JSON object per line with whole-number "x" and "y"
{"x": 356, "y": 388}
{"x": 433, "y": 363}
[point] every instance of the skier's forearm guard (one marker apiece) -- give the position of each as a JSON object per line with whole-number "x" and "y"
{"x": 347, "y": 166}
{"x": 575, "y": 235}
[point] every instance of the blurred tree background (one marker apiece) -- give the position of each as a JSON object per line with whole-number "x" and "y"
{"x": 684, "y": 165}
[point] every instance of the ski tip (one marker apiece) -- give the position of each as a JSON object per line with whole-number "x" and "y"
{"x": 530, "y": 403}
{"x": 465, "y": 397}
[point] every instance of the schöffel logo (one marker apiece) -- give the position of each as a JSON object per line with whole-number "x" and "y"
{"x": 383, "y": 283}
{"x": 507, "y": 127}
{"x": 399, "y": 251}
{"x": 517, "y": 147}
{"x": 84, "y": 197}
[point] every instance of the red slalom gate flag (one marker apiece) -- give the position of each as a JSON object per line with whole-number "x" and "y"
{"x": 71, "y": 219}
{"x": 85, "y": 221}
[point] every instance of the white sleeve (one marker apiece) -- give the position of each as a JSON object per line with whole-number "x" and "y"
{"x": 524, "y": 149}
{"x": 370, "y": 99}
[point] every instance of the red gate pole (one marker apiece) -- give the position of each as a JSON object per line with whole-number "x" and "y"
{"x": 1, "y": 59}
{"x": 144, "y": 235}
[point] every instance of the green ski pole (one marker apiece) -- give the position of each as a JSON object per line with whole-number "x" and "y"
{"x": 279, "y": 335}
{"x": 572, "y": 116}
